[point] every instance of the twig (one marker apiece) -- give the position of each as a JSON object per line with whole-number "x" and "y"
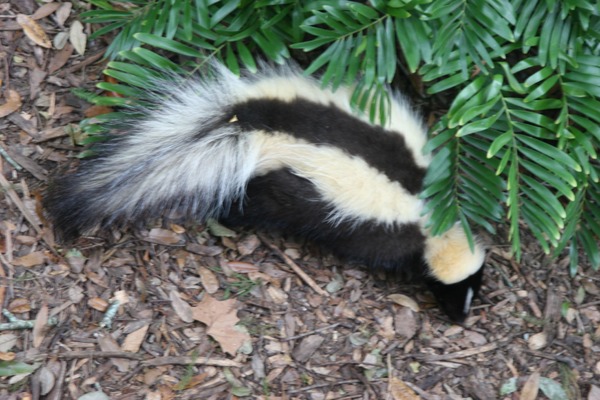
{"x": 185, "y": 360}
{"x": 554, "y": 357}
{"x": 307, "y": 279}
{"x": 311, "y": 332}
{"x": 9, "y": 159}
{"x": 457, "y": 354}
{"x": 110, "y": 314}
{"x": 7, "y": 186}
{"x": 90, "y": 60}
{"x": 16, "y": 323}
{"x": 321, "y": 385}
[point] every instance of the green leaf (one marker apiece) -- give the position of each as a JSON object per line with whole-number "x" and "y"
{"x": 228, "y": 7}
{"x": 447, "y": 83}
{"x": 499, "y": 143}
{"x": 549, "y": 178}
{"x": 479, "y": 125}
{"x": 550, "y": 151}
{"x": 466, "y": 94}
{"x": 167, "y": 44}
{"x": 543, "y": 88}
{"x": 12, "y": 368}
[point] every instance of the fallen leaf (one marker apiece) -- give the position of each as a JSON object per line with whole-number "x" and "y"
{"x": 60, "y": 42}
{"x": 307, "y": 347}
{"x": 552, "y": 389}
{"x": 47, "y": 380}
{"x": 7, "y": 342}
{"x": 247, "y": 245}
{"x": 94, "y": 396}
{"x": 33, "y": 31}
{"x": 219, "y": 230}
{"x": 98, "y": 303}
{"x": 134, "y": 340}
{"x": 77, "y": 37}
{"x": 107, "y": 343}
{"x": 538, "y": 341}
{"x": 63, "y": 12}
{"x": 163, "y": 236}
{"x": 13, "y": 103}
{"x": 182, "y": 309}
{"x": 405, "y": 323}
{"x": 242, "y": 267}
{"x": 594, "y": 393}
{"x": 122, "y": 297}
{"x": 401, "y": 391}
{"x": 210, "y": 282}
{"x": 405, "y": 301}
{"x": 45, "y": 10}
{"x": 30, "y": 260}
{"x": 7, "y": 356}
{"x": 39, "y": 326}
{"x": 221, "y": 317}
{"x": 531, "y": 387}
{"x": 19, "y": 305}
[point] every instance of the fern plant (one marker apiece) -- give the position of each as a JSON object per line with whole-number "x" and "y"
{"x": 518, "y": 143}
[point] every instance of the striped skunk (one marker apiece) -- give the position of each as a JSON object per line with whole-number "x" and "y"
{"x": 275, "y": 151}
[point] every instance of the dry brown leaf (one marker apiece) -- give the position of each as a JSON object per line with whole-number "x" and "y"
{"x": 39, "y": 326}
{"x": 7, "y": 356}
{"x": 163, "y": 236}
{"x": 405, "y": 301}
{"x": 63, "y": 12}
{"x": 538, "y": 341}
{"x": 401, "y": 391}
{"x": 45, "y": 10}
{"x": 98, "y": 303}
{"x": 77, "y": 37}
{"x": 30, "y": 260}
{"x": 247, "y": 245}
{"x": 13, "y": 103}
{"x": 182, "y": 309}
{"x": 134, "y": 340}
{"x": 531, "y": 387}
{"x": 107, "y": 343}
{"x": 405, "y": 323}
{"x": 122, "y": 297}
{"x": 277, "y": 295}
{"x": 594, "y": 393}
{"x": 19, "y": 305}
{"x": 242, "y": 267}
{"x": 220, "y": 318}
{"x": 33, "y": 31}
{"x": 210, "y": 282}
{"x": 95, "y": 110}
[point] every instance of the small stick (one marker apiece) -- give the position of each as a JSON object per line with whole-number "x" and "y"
{"x": 307, "y": 279}
{"x": 311, "y": 332}
{"x": 185, "y": 360}
{"x": 457, "y": 354}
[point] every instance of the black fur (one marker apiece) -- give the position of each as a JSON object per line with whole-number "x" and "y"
{"x": 287, "y": 203}
{"x": 326, "y": 124}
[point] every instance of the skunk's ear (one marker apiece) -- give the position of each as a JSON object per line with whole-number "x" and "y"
{"x": 455, "y": 299}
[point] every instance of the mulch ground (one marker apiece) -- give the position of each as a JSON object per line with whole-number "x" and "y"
{"x": 312, "y": 328}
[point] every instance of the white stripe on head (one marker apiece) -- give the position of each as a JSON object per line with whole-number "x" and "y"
{"x": 468, "y": 300}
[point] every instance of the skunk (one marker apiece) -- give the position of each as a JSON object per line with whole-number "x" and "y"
{"x": 276, "y": 151}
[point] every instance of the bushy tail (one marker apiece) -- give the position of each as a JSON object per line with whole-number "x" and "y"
{"x": 186, "y": 155}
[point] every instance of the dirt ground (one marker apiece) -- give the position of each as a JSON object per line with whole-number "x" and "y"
{"x": 311, "y": 328}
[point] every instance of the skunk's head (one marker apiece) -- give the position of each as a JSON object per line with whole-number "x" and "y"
{"x": 455, "y": 271}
